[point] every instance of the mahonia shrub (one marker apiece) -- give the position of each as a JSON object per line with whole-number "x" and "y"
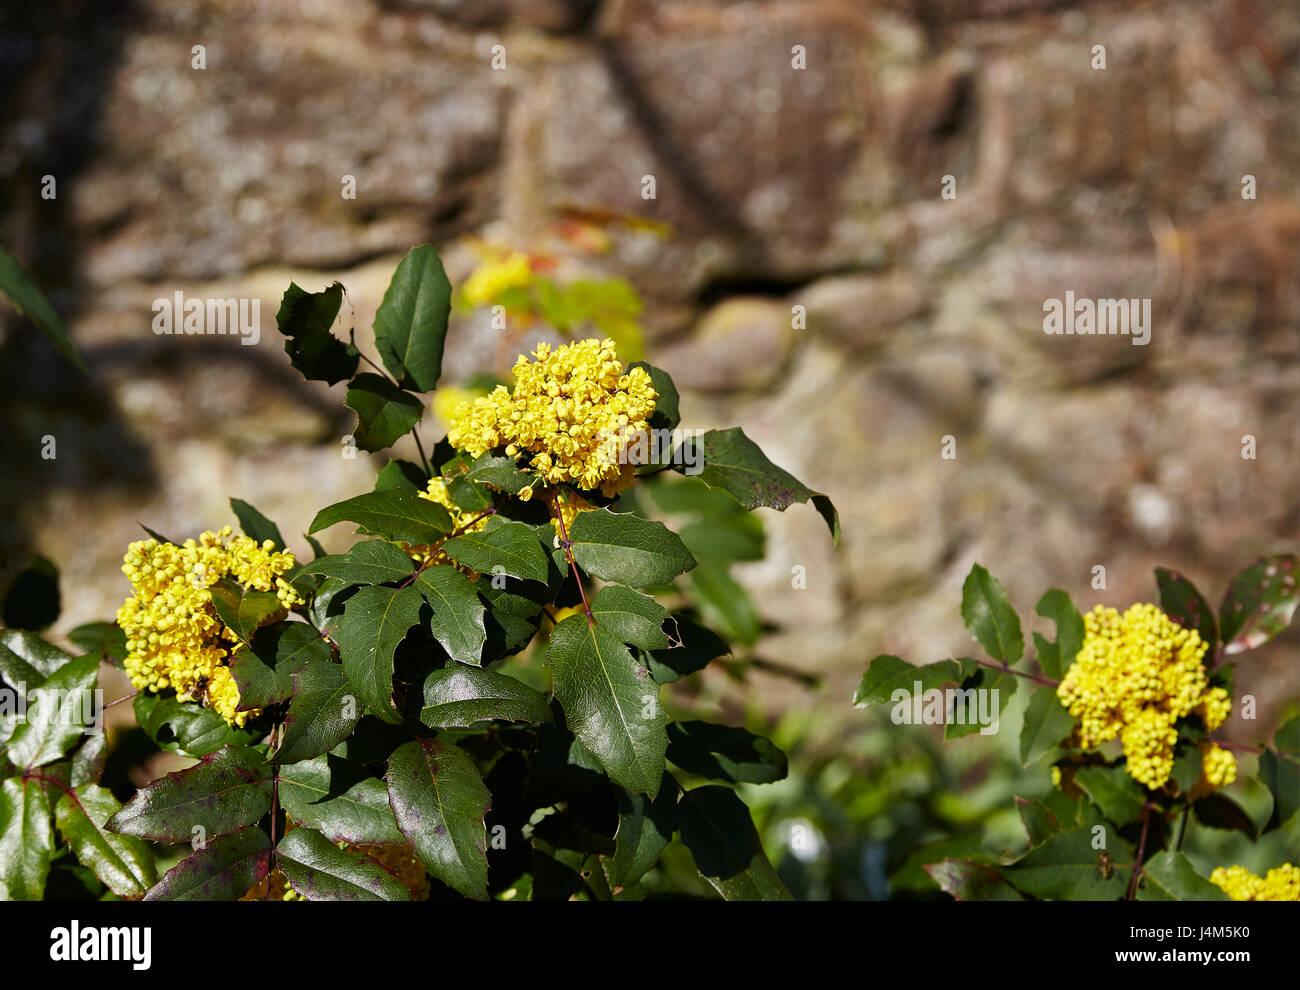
{"x": 464, "y": 703}
{"x": 1122, "y": 713}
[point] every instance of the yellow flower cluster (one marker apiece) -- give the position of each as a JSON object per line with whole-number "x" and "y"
{"x": 486, "y": 283}
{"x": 1281, "y": 883}
{"x": 1135, "y": 676}
{"x": 174, "y": 637}
{"x": 572, "y": 409}
{"x": 1218, "y": 766}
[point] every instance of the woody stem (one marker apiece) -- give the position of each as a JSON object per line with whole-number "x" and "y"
{"x": 568, "y": 554}
{"x": 1036, "y": 678}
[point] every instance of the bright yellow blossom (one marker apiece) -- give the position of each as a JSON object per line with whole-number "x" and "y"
{"x": 1281, "y": 883}
{"x": 1218, "y": 766}
{"x": 571, "y": 413}
{"x": 174, "y": 637}
{"x": 486, "y": 283}
{"x": 1134, "y": 677}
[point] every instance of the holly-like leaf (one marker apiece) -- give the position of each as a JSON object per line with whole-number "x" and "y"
{"x": 339, "y": 799}
{"x": 124, "y": 864}
{"x": 1056, "y": 657}
{"x": 322, "y": 713}
{"x": 693, "y": 648}
{"x": 634, "y": 618}
{"x": 459, "y": 696}
{"x": 440, "y": 800}
{"x": 385, "y": 413}
{"x": 645, "y": 827}
{"x": 411, "y": 322}
{"x": 1280, "y": 771}
{"x": 374, "y": 621}
{"x": 256, "y": 525}
{"x": 321, "y": 871}
{"x": 368, "y": 562}
{"x": 723, "y": 752}
{"x": 186, "y": 728}
{"x": 1119, "y": 796}
{"x": 305, "y": 319}
{"x": 457, "y": 620}
{"x": 38, "y": 655}
{"x": 402, "y": 476}
{"x": 1040, "y": 824}
{"x": 1047, "y": 723}
{"x": 224, "y": 791}
{"x": 887, "y": 674}
{"x": 729, "y": 460}
{"x": 221, "y": 870}
{"x": 976, "y": 697}
{"x": 512, "y": 547}
{"x": 990, "y": 617}
{"x": 393, "y": 515}
{"x": 1180, "y": 600}
{"x": 968, "y": 881}
{"x": 1170, "y": 877}
{"x": 59, "y": 712}
{"x": 264, "y": 672}
{"x": 26, "y": 839}
{"x": 610, "y": 702}
{"x": 245, "y": 610}
{"x": 31, "y": 302}
{"x": 501, "y": 473}
{"x": 1066, "y": 867}
{"x": 627, "y": 549}
{"x": 717, "y": 829}
{"x": 1259, "y": 603}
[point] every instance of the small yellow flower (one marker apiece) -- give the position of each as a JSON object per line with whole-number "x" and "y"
{"x": 1218, "y": 766}
{"x": 486, "y": 283}
{"x": 1280, "y": 884}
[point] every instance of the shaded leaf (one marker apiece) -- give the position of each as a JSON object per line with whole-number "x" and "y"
{"x": 31, "y": 302}
{"x": 122, "y": 863}
{"x": 385, "y": 413}
{"x": 305, "y": 319}
{"x": 321, "y": 871}
{"x": 1066, "y": 867}
{"x": 457, "y": 614}
{"x": 511, "y": 546}
{"x": 1047, "y": 723}
{"x": 634, "y": 618}
{"x": 222, "y": 870}
{"x": 374, "y": 621}
{"x": 59, "y": 712}
{"x": 967, "y": 881}
{"x": 645, "y": 827}
{"x": 245, "y": 610}
{"x": 1180, "y": 600}
{"x": 322, "y": 713}
{"x": 722, "y": 752}
{"x": 256, "y": 525}
{"x": 339, "y": 799}
{"x": 1119, "y": 796}
{"x": 717, "y": 829}
{"x": 26, "y": 839}
{"x": 460, "y": 696}
{"x": 1170, "y": 877}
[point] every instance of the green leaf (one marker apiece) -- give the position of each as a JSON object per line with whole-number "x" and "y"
{"x": 440, "y": 800}
{"x": 368, "y": 562}
{"x": 457, "y": 620}
{"x": 1187, "y": 766}
{"x": 1259, "y": 603}
{"x": 31, "y": 302}
{"x": 1067, "y": 868}
{"x": 59, "y": 712}
{"x": 968, "y": 881}
{"x": 723, "y": 752}
{"x": 666, "y": 415}
{"x": 1119, "y": 796}
{"x": 625, "y": 548}
{"x": 222, "y": 870}
{"x": 339, "y": 799}
{"x": 1280, "y": 770}
{"x": 26, "y": 840}
{"x": 323, "y": 712}
{"x": 1170, "y": 877}
{"x": 724, "y": 603}
{"x": 1180, "y": 600}
{"x": 1246, "y": 806}
{"x": 501, "y": 473}
{"x": 122, "y": 863}
{"x": 990, "y": 617}
{"x": 984, "y": 681}
{"x": 511, "y": 546}
{"x": 321, "y": 871}
{"x": 393, "y": 515}
{"x": 1040, "y": 824}
{"x": 186, "y": 728}
{"x": 610, "y": 703}
{"x": 634, "y": 618}
{"x": 717, "y": 829}
{"x": 695, "y": 647}
{"x": 264, "y": 672}
{"x": 733, "y": 462}
{"x": 256, "y": 525}
{"x": 459, "y": 696}
{"x": 305, "y": 319}
{"x": 103, "y": 638}
{"x": 411, "y": 323}
{"x": 888, "y": 674}
{"x": 37, "y": 654}
{"x": 1056, "y": 657}
{"x": 224, "y": 791}
{"x": 385, "y": 413}
{"x": 1047, "y": 723}
{"x": 374, "y": 621}
{"x": 245, "y": 610}
{"x": 33, "y": 600}
{"x": 403, "y": 476}
{"x": 645, "y": 827}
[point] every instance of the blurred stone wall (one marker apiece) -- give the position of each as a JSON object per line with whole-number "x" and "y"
{"x": 817, "y": 187}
